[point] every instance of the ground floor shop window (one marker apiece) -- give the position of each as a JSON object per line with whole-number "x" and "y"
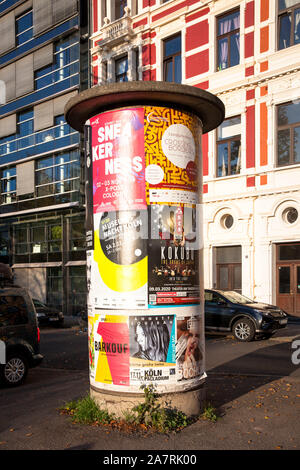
{"x": 77, "y": 293}
{"x": 55, "y": 286}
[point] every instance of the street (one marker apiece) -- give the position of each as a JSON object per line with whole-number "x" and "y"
{"x": 68, "y": 349}
{"x": 254, "y": 386}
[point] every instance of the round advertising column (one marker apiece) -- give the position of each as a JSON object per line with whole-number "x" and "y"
{"x": 144, "y": 240}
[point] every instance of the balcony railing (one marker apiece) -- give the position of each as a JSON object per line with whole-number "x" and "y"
{"x": 53, "y": 138}
{"x": 116, "y": 32}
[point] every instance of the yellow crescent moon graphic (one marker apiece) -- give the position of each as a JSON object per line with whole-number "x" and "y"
{"x": 120, "y": 278}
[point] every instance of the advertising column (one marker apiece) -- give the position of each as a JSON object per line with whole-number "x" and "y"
{"x": 144, "y": 239}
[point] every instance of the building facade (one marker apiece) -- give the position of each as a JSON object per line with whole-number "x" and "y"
{"x": 248, "y": 54}
{"x": 43, "y": 63}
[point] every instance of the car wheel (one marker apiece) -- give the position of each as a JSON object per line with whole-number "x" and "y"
{"x": 14, "y": 372}
{"x": 244, "y": 330}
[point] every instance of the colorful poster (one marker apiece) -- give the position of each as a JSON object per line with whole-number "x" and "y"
{"x": 173, "y": 266}
{"x": 165, "y": 349}
{"x": 152, "y": 350}
{"x": 118, "y": 160}
{"x": 120, "y": 262}
{"x": 189, "y": 349}
{"x": 172, "y": 152}
{"x": 109, "y": 351}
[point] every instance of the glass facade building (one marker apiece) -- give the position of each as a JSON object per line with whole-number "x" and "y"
{"x": 43, "y": 63}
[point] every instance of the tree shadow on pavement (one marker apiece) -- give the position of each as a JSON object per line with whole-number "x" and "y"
{"x": 234, "y": 379}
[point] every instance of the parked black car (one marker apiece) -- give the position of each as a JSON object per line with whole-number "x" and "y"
{"x": 47, "y": 315}
{"x": 231, "y": 311}
{"x": 19, "y": 335}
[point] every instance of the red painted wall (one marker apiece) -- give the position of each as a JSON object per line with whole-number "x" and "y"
{"x": 250, "y": 137}
{"x": 249, "y": 14}
{"x": 249, "y": 44}
{"x": 196, "y": 35}
{"x": 197, "y": 63}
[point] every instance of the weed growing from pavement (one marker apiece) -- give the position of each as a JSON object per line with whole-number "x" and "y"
{"x": 148, "y": 415}
{"x": 209, "y": 413}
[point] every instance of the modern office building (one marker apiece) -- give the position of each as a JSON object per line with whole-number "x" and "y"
{"x": 43, "y": 62}
{"x": 248, "y": 54}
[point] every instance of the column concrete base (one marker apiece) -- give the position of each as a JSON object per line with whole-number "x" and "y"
{"x": 190, "y": 402}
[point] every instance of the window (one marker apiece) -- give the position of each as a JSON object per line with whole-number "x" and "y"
{"x": 38, "y": 241}
{"x": 77, "y": 234}
{"x": 8, "y": 185}
{"x": 55, "y": 286}
{"x": 78, "y": 288}
{"x": 121, "y": 69}
{"x": 288, "y": 133}
{"x": 23, "y": 138}
{"x": 288, "y": 23}
{"x": 290, "y": 215}
{"x": 61, "y": 127}
{"x": 228, "y": 40}
{"x": 120, "y": 6}
{"x": 229, "y": 147}
{"x": 172, "y": 59}
{"x": 227, "y": 221}
{"x": 65, "y": 63}
{"x": 57, "y": 174}
{"x": 25, "y": 126}
{"x": 24, "y": 28}
{"x": 13, "y": 310}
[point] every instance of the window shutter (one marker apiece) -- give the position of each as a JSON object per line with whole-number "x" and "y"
{"x": 43, "y": 115}
{"x": 63, "y": 9}
{"x": 43, "y": 57}
{"x": 8, "y": 76}
{"x": 22, "y": 8}
{"x": 8, "y": 125}
{"x": 8, "y": 35}
{"x": 60, "y": 102}
{"x": 24, "y": 75}
{"x": 25, "y": 178}
{"x": 42, "y": 15}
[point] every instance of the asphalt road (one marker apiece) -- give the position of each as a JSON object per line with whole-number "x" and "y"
{"x": 68, "y": 349}
{"x": 254, "y": 387}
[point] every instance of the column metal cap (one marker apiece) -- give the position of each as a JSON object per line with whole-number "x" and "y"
{"x": 101, "y": 98}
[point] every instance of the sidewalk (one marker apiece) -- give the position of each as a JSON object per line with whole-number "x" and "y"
{"x": 254, "y": 413}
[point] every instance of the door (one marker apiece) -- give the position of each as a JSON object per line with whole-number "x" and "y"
{"x": 288, "y": 287}
{"x": 229, "y": 276}
{"x": 229, "y": 268}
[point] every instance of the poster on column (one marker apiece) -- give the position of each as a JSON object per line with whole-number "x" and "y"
{"x": 190, "y": 349}
{"x": 109, "y": 356}
{"x": 120, "y": 262}
{"x": 127, "y": 352}
{"x": 118, "y": 160}
{"x": 173, "y": 267}
{"x": 152, "y": 350}
{"x": 172, "y": 152}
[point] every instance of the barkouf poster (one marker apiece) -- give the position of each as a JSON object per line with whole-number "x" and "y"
{"x": 118, "y": 159}
{"x": 173, "y": 258}
{"x": 109, "y": 351}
